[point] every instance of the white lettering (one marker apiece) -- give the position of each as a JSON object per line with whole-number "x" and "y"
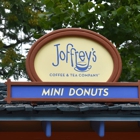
{"x": 71, "y": 91}
{"x": 79, "y": 92}
{"x": 100, "y": 91}
{"x": 44, "y": 92}
{"x": 53, "y": 92}
{"x": 58, "y": 92}
{"x": 94, "y": 94}
{"x": 105, "y": 92}
{"x": 89, "y": 92}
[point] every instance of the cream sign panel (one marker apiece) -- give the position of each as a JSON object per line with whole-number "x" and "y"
{"x": 73, "y": 55}
{"x": 73, "y": 59}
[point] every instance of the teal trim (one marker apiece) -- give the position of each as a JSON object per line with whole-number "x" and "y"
{"x": 67, "y": 118}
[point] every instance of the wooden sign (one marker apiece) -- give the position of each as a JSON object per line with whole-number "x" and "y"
{"x": 73, "y": 92}
{"x": 73, "y": 55}
{"x": 73, "y": 65}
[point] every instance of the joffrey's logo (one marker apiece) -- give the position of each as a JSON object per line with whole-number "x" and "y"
{"x": 80, "y": 60}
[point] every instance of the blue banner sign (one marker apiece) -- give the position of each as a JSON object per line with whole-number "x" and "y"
{"x": 73, "y": 92}
{"x": 102, "y": 92}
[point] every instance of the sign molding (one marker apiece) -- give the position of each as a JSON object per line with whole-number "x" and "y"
{"x": 73, "y": 32}
{"x": 9, "y": 97}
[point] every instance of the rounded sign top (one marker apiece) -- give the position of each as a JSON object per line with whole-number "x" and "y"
{"x": 73, "y": 55}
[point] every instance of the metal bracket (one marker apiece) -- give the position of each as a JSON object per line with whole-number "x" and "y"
{"x": 46, "y": 125}
{"x": 99, "y": 127}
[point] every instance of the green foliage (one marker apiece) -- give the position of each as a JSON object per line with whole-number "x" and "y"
{"x": 116, "y": 20}
{"x": 18, "y": 23}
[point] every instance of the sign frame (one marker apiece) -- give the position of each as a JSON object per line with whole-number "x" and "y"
{"x": 74, "y": 32}
{"x": 9, "y": 99}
